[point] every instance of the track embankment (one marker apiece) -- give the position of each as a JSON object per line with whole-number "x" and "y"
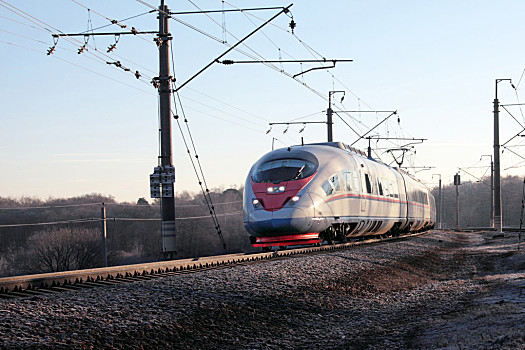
{"x": 444, "y": 290}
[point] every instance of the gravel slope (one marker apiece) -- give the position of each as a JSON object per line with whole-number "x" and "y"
{"x": 444, "y": 290}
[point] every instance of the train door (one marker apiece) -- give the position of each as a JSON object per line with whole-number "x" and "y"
{"x": 362, "y": 186}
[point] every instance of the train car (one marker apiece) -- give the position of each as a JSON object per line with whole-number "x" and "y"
{"x": 329, "y": 192}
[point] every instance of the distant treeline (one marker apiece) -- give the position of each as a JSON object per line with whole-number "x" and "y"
{"x": 133, "y": 230}
{"x": 474, "y": 202}
{"x": 59, "y": 234}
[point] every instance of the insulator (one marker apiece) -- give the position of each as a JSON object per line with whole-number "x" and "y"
{"x": 293, "y": 25}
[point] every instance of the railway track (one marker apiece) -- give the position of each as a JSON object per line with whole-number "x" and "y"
{"x": 50, "y": 283}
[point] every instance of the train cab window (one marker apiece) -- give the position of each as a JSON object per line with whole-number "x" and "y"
{"x": 280, "y": 170}
{"x": 327, "y": 188}
{"x": 334, "y": 180}
{"x": 368, "y": 184}
{"x": 347, "y": 180}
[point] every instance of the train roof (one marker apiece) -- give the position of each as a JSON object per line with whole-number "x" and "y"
{"x": 340, "y": 145}
{"x": 345, "y": 147}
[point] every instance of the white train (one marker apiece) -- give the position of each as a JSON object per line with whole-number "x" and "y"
{"x": 330, "y": 191}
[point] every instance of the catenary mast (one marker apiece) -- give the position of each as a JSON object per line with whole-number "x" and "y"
{"x": 164, "y": 174}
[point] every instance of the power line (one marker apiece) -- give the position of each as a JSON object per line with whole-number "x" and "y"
{"x": 59, "y": 33}
{"x": 227, "y": 104}
{"x": 92, "y": 220}
{"x": 113, "y": 21}
{"x": 241, "y": 51}
{"x": 77, "y": 221}
{"x": 221, "y": 111}
{"x": 79, "y": 66}
{"x": 177, "y": 218}
{"x": 226, "y": 120}
{"x": 25, "y": 37}
{"x": 206, "y": 191}
{"x": 108, "y": 204}
{"x": 53, "y": 206}
{"x": 150, "y": 93}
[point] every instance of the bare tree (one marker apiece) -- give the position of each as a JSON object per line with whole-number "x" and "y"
{"x": 63, "y": 249}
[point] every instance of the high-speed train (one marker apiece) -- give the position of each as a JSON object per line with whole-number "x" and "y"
{"x": 330, "y": 191}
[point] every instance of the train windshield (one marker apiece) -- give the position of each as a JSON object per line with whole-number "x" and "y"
{"x": 281, "y": 170}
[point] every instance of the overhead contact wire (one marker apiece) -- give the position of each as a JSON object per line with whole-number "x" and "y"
{"x": 68, "y": 38}
{"x": 270, "y": 65}
{"x": 206, "y": 194}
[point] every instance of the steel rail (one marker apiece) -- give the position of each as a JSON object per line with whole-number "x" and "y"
{"x": 49, "y": 283}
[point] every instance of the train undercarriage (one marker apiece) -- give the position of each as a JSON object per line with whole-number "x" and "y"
{"x": 336, "y": 233}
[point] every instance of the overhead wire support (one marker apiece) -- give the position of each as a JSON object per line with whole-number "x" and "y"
{"x": 344, "y": 121}
{"x": 516, "y": 120}
{"x": 223, "y": 41}
{"x": 420, "y": 168}
{"x": 230, "y": 62}
{"x": 227, "y": 10}
{"x": 346, "y": 112}
{"x": 369, "y": 131}
{"x": 402, "y": 156}
{"x": 377, "y": 137}
{"x": 316, "y": 68}
{"x": 290, "y": 123}
{"x": 134, "y": 32}
{"x": 286, "y": 9}
{"x": 477, "y": 178}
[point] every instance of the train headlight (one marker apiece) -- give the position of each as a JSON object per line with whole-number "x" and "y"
{"x": 256, "y": 203}
{"x": 293, "y": 200}
{"x": 275, "y": 189}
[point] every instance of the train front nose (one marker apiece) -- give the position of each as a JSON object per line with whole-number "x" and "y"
{"x": 285, "y": 220}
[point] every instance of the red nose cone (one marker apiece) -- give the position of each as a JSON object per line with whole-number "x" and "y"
{"x": 275, "y": 200}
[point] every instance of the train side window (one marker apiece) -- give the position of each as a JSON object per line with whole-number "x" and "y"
{"x": 373, "y": 183}
{"x": 335, "y": 182}
{"x": 347, "y": 180}
{"x": 327, "y": 188}
{"x": 386, "y": 188}
{"x": 368, "y": 184}
{"x": 379, "y": 186}
{"x": 356, "y": 181}
{"x": 395, "y": 190}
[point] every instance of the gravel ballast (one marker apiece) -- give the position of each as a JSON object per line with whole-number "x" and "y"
{"x": 447, "y": 290}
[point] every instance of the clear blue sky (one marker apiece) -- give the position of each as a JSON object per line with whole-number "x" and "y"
{"x": 72, "y": 124}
